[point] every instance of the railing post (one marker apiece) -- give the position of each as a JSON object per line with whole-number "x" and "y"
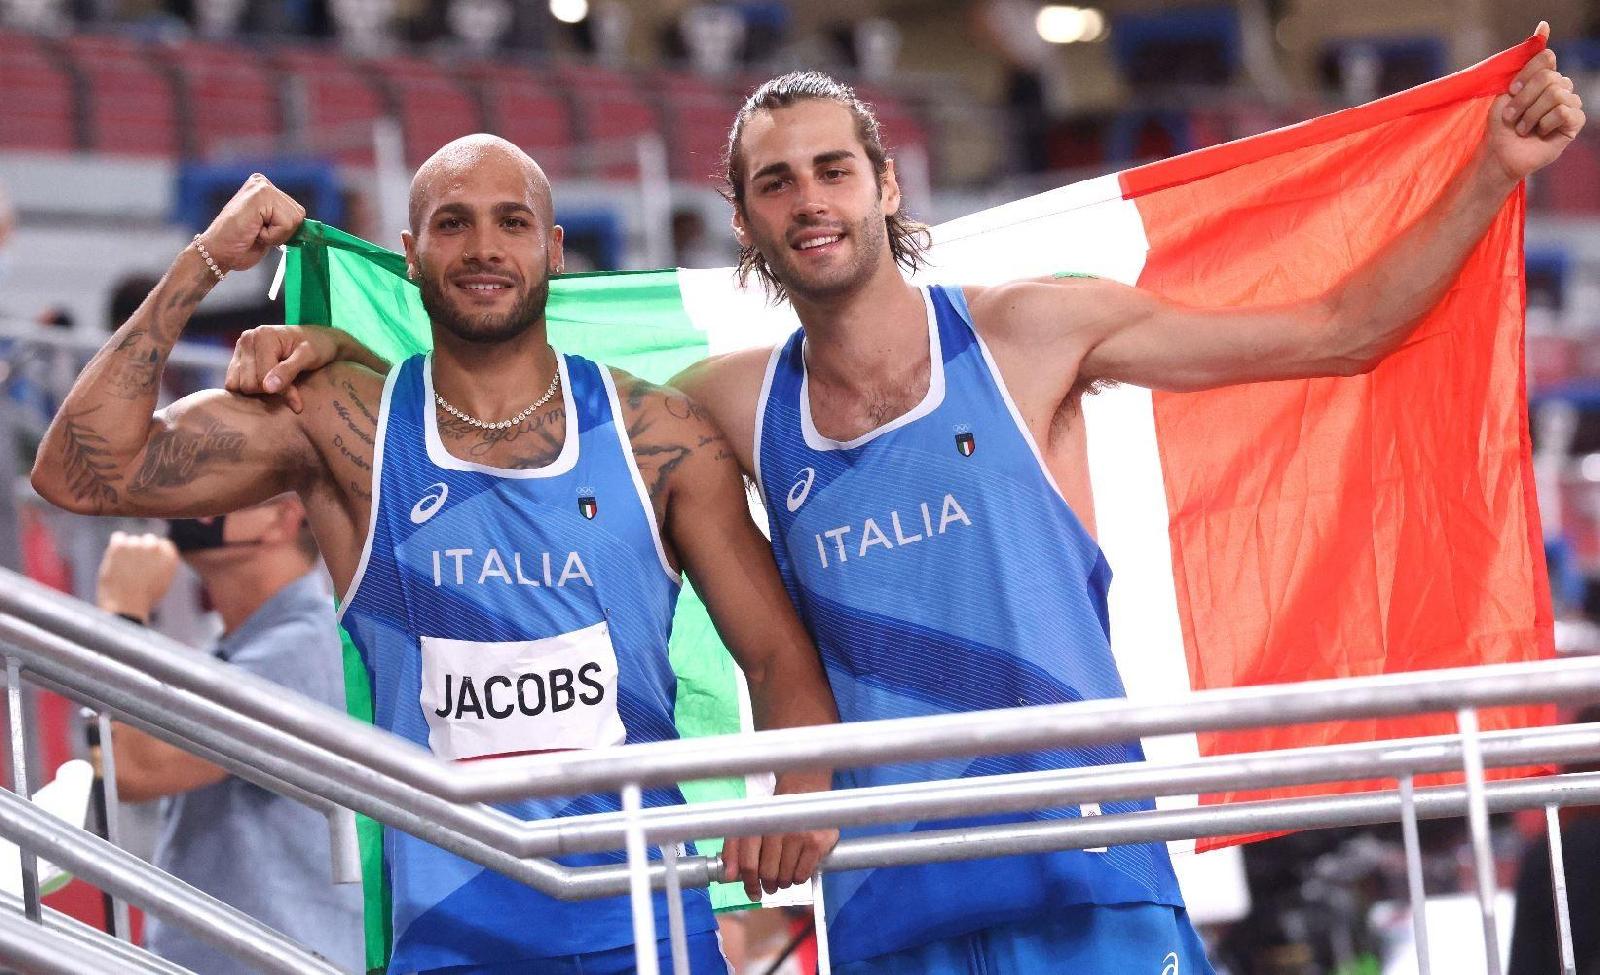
{"x": 675, "y": 926}
{"x": 19, "y": 784}
{"x": 646, "y": 959}
{"x": 344, "y": 845}
{"x": 1558, "y": 889}
{"x": 1478, "y": 821}
{"x": 121, "y": 927}
{"x": 819, "y": 924}
{"x": 1414, "y": 879}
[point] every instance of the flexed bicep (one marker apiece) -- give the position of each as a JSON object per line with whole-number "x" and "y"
{"x": 206, "y": 454}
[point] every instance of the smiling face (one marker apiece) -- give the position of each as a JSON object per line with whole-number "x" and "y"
{"x": 813, "y": 205}
{"x": 483, "y": 242}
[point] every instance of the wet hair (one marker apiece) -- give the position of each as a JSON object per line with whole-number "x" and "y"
{"x": 908, "y": 238}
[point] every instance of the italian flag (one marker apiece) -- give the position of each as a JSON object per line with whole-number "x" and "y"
{"x": 1258, "y": 534}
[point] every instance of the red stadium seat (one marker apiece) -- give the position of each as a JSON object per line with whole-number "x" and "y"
{"x": 611, "y": 116}
{"x": 520, "y": 105}
{"x": 40, "y": 108}
{"x": 338, "y": 101}
{"x": 231, "y": 97}
{"x": 697, "y": 114}
{"x": 433, "y": 109}
{"x": 130, "y": 104}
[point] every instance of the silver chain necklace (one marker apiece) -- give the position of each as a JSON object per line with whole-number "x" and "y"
{"x": 501, "y": 424}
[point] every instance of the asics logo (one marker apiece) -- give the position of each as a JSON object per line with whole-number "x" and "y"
{"x": 1169, "y": 964}
{"x": 430, "y": 503}
{"x": 801, "y": 489}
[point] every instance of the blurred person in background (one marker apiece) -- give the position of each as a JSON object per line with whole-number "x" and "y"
{"x": 267, "y": 855}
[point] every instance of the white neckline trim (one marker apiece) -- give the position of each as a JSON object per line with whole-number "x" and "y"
{"x": 618, "y": 421}
{"x": 378, "y": 438}
{"x": 930, "y": 400}
{"x": 564, "y": 462}
{"x": 761, "y": 414}
{"x": 960, "y": 302}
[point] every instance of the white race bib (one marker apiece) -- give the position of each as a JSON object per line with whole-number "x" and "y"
{"x": 488, "y": 699}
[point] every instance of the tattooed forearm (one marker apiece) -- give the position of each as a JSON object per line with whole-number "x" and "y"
{"x": 174, "y": 457}
{"x": 172, "y": 313}
{"x": 135, "y": 366}
{"x": 86, "y": 457}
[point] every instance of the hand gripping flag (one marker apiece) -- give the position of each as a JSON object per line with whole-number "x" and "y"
{"x": 1259, "y": 534}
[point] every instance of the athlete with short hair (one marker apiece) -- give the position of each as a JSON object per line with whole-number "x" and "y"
{"x": 921, "y": 454}
{"x": 506, "y": 551}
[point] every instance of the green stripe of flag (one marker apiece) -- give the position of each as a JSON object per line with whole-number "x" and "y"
{"x": 633, "y": 320}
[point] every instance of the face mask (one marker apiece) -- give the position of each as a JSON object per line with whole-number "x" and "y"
{"x": 198, "y": 535}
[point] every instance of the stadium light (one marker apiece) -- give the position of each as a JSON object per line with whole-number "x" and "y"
{"x": 569, "y": 11}
{"x": 1060, "y": 24}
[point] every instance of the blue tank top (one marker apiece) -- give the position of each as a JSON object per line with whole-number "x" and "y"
{"x": 501, "y": 612}
{"x": 940, "y": 570}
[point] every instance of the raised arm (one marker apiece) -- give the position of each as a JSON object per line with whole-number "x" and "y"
{"x": 695, "y": 480}
{"x": 108, "y": 452}
{"x": 1084, "y": 330}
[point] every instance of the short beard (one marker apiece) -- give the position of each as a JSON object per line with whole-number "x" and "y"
{"x": 867, "y": 237}
{"x": 484, "y": 329}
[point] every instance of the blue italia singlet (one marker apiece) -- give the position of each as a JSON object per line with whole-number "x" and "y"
{"x": 501, "y": 612}
{"x": 940, "y": 570}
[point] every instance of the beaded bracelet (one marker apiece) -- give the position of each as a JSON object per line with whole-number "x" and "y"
{"x": 205, "y": 255}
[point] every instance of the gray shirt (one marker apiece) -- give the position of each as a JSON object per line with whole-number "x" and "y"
{"x": 264, "y": 854}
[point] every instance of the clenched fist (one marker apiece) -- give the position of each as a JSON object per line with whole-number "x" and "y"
{"x": 135, "y": 573}
{"x": 1537, "y": 117}
{"x": 258, "y": 218}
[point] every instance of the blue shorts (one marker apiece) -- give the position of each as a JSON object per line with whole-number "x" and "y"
{"x": 705, "y": 958}
{"x": 1088, "y": 939}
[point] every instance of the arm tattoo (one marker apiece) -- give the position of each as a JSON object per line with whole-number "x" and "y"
{"x": 660, "y": 454}
{"x": 91, "y": 471}
{"x": 355, "y": 397}
{"x": 174, "y": 457}
{"x": 356, "y": 459}
{"x": 168, "y": 321}
{"x": 135, "y": 366}
{"x": 349, "y": 422}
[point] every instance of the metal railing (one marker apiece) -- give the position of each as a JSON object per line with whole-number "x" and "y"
{"x": 292, "y": 744}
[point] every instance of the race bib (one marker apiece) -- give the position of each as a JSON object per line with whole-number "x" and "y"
{"x": 495, "y": 699}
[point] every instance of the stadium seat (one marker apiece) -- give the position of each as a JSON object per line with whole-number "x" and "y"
{"x": 41, "y": 112}
{"x": 130, "y": 105}
{"x": 432, "y": 107}
{"x": 332, "y": 104}
{"x": 230, "y": 98}
{"x": 521, "y": 105}
{"x": 696, "y": 115}
{"x": 612, "y": 114}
